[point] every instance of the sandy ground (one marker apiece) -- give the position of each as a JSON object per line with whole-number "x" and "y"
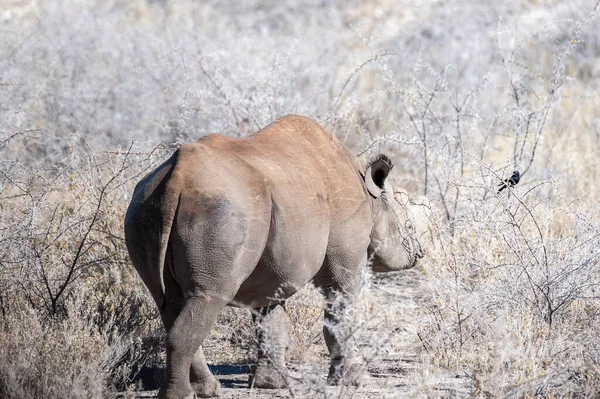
{"x": 398, "y": 373}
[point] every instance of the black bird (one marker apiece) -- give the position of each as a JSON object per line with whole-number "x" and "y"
{"x": 514, "y": 180}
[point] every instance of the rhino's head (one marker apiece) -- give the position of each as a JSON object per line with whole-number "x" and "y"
{"x": 400, "y": 225}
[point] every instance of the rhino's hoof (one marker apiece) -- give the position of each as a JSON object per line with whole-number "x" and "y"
{"x": 353, "y": 375}
{"x": 207, "y": 388}
{"x": 267, "y": 377}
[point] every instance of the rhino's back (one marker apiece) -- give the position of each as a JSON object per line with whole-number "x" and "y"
{"x": 293, "y": 156}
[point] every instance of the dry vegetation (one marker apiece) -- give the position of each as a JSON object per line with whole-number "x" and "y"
{"x": 94, "y": 94}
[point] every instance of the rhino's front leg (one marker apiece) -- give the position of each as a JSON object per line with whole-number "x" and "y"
{"x": 345, "y": 366}
{"x": 272, "y": 333}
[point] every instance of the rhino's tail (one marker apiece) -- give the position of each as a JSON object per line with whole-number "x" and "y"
{"x": 168, "y": 211}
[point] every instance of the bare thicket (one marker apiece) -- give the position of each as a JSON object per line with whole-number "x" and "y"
{"x": 93, "y": 95}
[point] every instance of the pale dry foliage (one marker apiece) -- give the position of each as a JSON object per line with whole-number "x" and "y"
{"x": 95, "y": 94}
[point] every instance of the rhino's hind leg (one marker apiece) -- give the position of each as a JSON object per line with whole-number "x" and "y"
{"x": 185, "y": 356}
{"x": 204, "y": 383}
{"x": 272, "y": 332}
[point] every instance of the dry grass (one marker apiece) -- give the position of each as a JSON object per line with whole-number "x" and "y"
{"x": 507, "y": 298}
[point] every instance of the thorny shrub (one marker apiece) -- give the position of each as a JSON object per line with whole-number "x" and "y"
{"x": 460, "y": 94}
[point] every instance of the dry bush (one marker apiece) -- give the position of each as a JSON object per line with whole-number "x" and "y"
{"x": 507, "y": 297}
{"x": 54, "y": 359}
{"x": 75, "y": 314}
{"x": 305, "y": 311}
{"x": 514, "y": 303}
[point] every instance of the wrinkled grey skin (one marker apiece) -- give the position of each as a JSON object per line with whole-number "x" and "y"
{"x": 248, "y": 222}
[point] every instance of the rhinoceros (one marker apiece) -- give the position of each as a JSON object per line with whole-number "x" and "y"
{"x": 249, "y": 221}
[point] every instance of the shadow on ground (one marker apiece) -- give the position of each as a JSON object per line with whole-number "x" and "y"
{"x": 231, "y": 376}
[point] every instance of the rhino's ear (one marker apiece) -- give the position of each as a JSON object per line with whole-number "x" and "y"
{"x": 376, "y": 174}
